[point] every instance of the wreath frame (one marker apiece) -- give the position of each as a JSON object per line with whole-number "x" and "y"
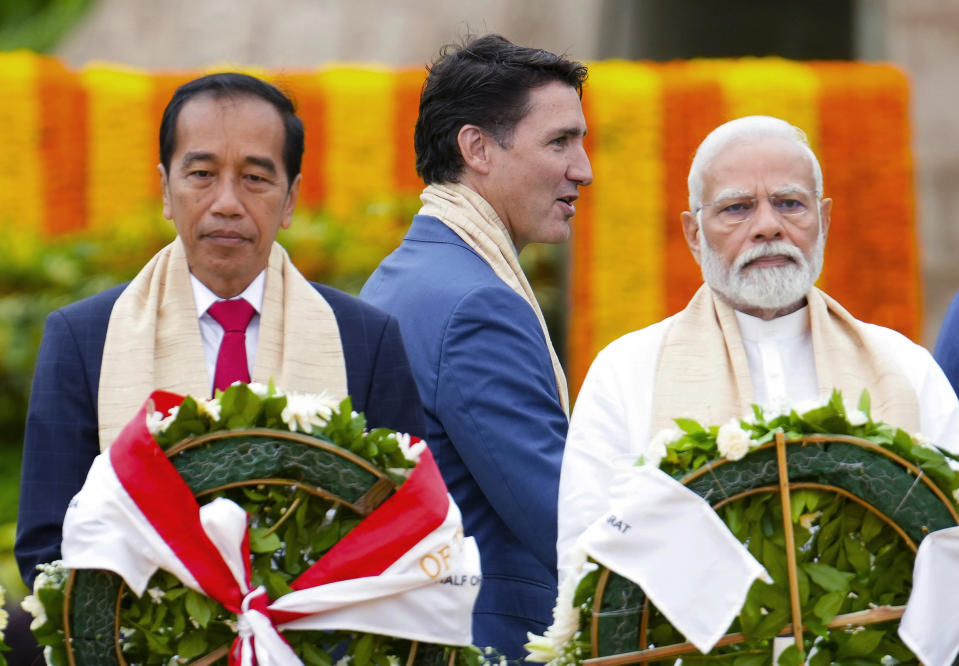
{"x": 93, "y": 637}
{"x": 631, "y": 595}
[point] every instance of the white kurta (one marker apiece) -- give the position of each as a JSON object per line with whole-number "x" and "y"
{"x": 610, "y": 424}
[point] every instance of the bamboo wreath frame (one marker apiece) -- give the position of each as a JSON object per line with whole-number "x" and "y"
{"x": 795, "y": 627}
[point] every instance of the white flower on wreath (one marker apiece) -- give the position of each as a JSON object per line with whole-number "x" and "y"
{"x": 210, "y": 408}
{"x": 157, "y": 423}
{"x": 732, "y": 441}
{"x": 260, "y": 389}
{"x": 304, "y": 411}
{"x": 410, "y": 451}
{"x": 656, "y": 449}
{"x": 4, "y": 616}
{"x": 32, "y": 605}
{"x": 855, "y": 416}
{"x": 549, "y": 647}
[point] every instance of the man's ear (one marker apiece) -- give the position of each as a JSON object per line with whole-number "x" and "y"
{"x": 474, "y": 147}
{"x": 691, "y": 232}
{"x": 825, "y": 208}
{"x": 290, "y": 204}
{"x": 165, "y": 192}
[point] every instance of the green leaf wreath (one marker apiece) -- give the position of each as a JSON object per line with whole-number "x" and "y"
{"x": 846, "y": 560}
{"x": 290, "y": 529}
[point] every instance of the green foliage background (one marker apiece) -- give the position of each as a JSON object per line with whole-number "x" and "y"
{"x": 38, "y": 25}
{"x": 27, "y": 293}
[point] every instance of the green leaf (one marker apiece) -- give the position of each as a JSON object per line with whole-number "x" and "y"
{"x": 791, "y": 656}
{"x": 192, "y": 645}
{"x": 261, "y": 542}
{"x": 827, "y": 577}
{"x": 857, "y": 555}
{"x": 861, "y": 643}
{"x": 865, "y": 404}
{"x": 748, "y": 660}
{"x": 872, "y": 526}
{"x": 822, "y": 657}
{"x": 772, "y": 623}
{"x": 828, "y": 606}
{"x": 774, "y": 559}
{"x": 198, "y": 608}
{"x": 314, "y": 656}
{"x": 690, "y": 426}
{"x": 362, "y": 650}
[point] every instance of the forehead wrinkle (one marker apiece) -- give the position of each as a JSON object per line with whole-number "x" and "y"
{"x": 791, "y": 188}
{"x": 733, "y": 193}
{"x": 262, "y": 162}
{"x": 196, "y": 156}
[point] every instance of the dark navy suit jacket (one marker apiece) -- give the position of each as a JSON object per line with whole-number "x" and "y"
{"x": 493, "y": 416}
{"x": 61, "y": 438}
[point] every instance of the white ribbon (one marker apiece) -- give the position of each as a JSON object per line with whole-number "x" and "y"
{"x": 929, "y": 627}
{"x": 668, "y": 540}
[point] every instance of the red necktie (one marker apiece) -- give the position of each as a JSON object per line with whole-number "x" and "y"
{"x": 231, "y": 365}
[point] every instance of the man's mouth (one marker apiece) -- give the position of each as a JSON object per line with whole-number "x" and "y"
{"x": 567, "y": 204}
{"x": 228, "y": 238}
{"x": 770, "y": 261}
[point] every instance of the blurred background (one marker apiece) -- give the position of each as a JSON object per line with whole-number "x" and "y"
{"x": 920, "y": 38}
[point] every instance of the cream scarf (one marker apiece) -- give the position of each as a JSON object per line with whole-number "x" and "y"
{"x": 703, "y": 372}
{"x": 153, "y": 339}
{"x": 473, "y": 219}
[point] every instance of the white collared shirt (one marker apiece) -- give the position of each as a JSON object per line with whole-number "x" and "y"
{"x": 212, "y": 333}
{"x": 782, "y": 364}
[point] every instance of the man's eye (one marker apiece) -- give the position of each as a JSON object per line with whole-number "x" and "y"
{"x": 559, "y": 141}
{"x": 789, "y": 205}
{"x": 736, "y": 207}
{"x": 201, "y": 173}
{"x": 252, "y": 177}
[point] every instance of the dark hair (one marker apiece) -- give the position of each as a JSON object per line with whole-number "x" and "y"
{"x": 229, "y": 84}
{"x": 486, "y": 83}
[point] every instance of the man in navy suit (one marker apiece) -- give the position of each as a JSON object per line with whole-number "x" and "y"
{"x": 230, "y": 150}
{"x": 499, "y": 143}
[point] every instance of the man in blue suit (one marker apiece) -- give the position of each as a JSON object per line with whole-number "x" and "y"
{"x": 231, "y": 147}
{"x": 499, "y": 143}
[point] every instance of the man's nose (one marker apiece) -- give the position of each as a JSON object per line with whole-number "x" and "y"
{"x": 227, "y": 201}
{"x": 765, "y": 222}
{"x": 580, "y": 170}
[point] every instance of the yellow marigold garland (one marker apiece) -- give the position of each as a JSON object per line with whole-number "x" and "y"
{"x": 80, "y": 151}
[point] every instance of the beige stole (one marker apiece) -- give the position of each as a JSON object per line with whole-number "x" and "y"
{"x": 153, "y": 339}
{"x": 703, "y": 372}
{"x": 473, "y": 219}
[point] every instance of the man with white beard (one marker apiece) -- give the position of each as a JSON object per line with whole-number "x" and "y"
{"x": 757, "y": 331}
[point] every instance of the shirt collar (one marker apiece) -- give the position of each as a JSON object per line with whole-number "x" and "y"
{"x": 792, "y": 325}
{"x": 204, "y": 298}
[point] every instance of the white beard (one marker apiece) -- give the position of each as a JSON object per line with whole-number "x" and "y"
{"x": 770, "y": 288}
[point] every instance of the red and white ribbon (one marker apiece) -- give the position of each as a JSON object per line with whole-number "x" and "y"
{"x": 405, "y": 571}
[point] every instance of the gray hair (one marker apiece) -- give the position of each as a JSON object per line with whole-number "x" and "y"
{"x": 744, "y": 129}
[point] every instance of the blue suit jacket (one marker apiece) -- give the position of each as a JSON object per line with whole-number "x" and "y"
{"x": 61, "y": 438}
{"x": 493, "y": 417}
{"x": 947, "y": 345}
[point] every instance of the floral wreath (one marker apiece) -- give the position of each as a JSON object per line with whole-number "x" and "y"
{"x": 832, "y": 587}
{"x": 290, "y": 530}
